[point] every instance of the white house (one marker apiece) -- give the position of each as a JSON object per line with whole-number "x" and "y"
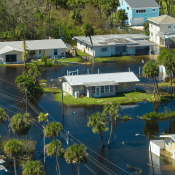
{"x": 138, "y": 11}
{"x": 112, "y": 45}
{"x": 100, "y": 85}
{"x": 162, "y": 30}
{"x": 11, "y": 52}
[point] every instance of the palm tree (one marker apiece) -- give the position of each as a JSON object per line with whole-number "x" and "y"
{"x": 76, "y": 154}
{"x": 168, "y": 60}
{"x": 113, "y": 111}
{"x": 43, "y": 118}
{"x": 98, "y": 123}
{"x": 3, "y": 118}
{"x": 151, "y": 70}
{"x": 24, "y": 54}
{"x": 89, "y": 32}
{"x": 50, "y": 148}
{"x": 52, "y": 130}
{"x": 33, "y": 168}
{"x": 13, "y": 148}
{"x": 20, "y": 124}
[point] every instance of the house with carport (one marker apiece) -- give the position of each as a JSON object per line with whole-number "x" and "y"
{"x": 11, "y": 51}
{"x": 162, "y": 30}
{"x": 99, "y": 85}
{"x": 138, "y": 11}
{"x": 166, "y": 146}
{"x": 114, "y": 44}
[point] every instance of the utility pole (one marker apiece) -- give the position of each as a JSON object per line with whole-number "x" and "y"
{"x": 44, "y": 145}
{"x": 26, "y": 101}
{"x": 151, "y": 153}
{"x": 49, "y": 23}
{"x": 69, "y": 145}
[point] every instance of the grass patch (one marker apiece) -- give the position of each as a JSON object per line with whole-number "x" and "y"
{"x": 73, "y": 59}
{"x": 3, "y": 65}
{"x": 125, "y": 117}
{"x": 121, "y": 98}
{"x": 81, "y": 53}
{"x": 51, "y": 90}
{"x": 42, "y": 81}
{"x": 165, "y": 84}
{"x": 120, "y": 58}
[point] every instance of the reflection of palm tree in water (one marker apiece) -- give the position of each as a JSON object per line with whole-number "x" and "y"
{"x": 92, "y": 69}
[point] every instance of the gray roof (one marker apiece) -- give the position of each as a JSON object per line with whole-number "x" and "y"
{"x": 2, "y": 161}
{"x": 120, "y": 77}
{"x": 2, "y": 168}
{"x": 172, "y": 136}
{"x": 142, "y": 3}
{"x": 163, "y": 19}
{"x": 36, "y": 44}
{"x": 114, "y": 39}
{"x": 143, "y": 43}
{"x": 7, "y": 49}
{"x": 101, "y": 83}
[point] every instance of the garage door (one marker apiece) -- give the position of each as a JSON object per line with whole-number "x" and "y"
{"x": 11, "y": 58}
{"x": 138, "y": 21}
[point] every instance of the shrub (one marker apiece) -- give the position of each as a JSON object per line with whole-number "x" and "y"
{"x": 153, "y": 115}
{"x": 44, "y": 59}
{"x": 138, "y": 117}
{"x": 125, "y": 117}
{"x": 140, "y": 171}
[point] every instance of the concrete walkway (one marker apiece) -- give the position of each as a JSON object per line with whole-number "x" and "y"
{"x": 137, "y": 27}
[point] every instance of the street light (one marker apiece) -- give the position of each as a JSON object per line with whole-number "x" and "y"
{"x": 150, "y": 148}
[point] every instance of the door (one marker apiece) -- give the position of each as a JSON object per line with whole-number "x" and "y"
{"x": 97, "y": 92}
{"x": 170, "y": 145}
{"x": 138, "y": 21}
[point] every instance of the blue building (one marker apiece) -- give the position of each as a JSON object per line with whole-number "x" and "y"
{"x": 138, "y": 11}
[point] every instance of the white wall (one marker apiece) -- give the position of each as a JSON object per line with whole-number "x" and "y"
{"x": 19, "y": 56}
{"x": 156, "y": 146}
{"x": 154, "y": 29}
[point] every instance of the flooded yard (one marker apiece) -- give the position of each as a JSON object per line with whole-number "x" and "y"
{"x": 125, "y": 147}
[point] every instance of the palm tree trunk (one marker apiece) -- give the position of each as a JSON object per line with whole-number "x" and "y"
{"x": 111, "y": 132}
{"x": 78, "y": 165}
{"x": 15, "y": 165}
{"x": 6, "y": 129}
{"x": 171, "y": 82}
{"x": 57, "y": 163}
{"x": 72, "y": 168}
{"x": 154, "y": 87}
{"x": 92, "y": 48}
{"x": 102, "y": 138}
{"x": 157, "y": 86}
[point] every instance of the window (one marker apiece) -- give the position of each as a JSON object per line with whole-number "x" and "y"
{"x": 32, "y": 52}
{"x": 127, "y": 8}
{"x": 80, "y": 42}
{"x": 141, "y": 11}
{"x": 166, "y": 141}
{"x": 93, "y": 90}
{"x": 106, "y": 89}
{"x": 102, "y": 89}
{"x": 121, "y": 49}
{"x": 111, "y": 89}
{"x": 11, "y": 58}
{"x": 39, "y": 52}
{"x": 169, "y": 25}
{"x": 81, "y": 88}
{"x": 55, "y": 51}
{"x": 104, "y": 49}
{"x": 126, "y": 86}
{"x": 153, "y": 10}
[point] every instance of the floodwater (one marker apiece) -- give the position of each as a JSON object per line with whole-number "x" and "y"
{"x": 125, "y": 147}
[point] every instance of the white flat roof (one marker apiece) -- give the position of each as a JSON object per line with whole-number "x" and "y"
{"x": 121, "y": 77}
{"x": 36, "y": 44}
{"x": 113, "y": 39}
{"x": 172, "y": 136}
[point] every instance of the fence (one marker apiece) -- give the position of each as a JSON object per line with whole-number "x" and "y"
{"x": 156, "y": 146}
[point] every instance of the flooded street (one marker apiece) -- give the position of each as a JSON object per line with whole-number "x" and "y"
{"x": 125, "y": 147}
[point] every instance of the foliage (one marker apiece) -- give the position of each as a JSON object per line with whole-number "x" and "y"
{"x": 76, "y": 154}
{"x": 29, "y": 146}
{"x": 146, "y": 28}
{"x": 13, "y": 147}
{"x": 3, "y": 116}
{"x": 98, "y": 122}
{"x": 121, "y": 15}
{"x": 42, "y": 117}
{"x": 44, "y": 59}
{"x": 33, "y": 168}
{"x": 52, "y": 129}
{"x": 125, "y": 117}
{"x": 20, "y": 123}
{"x": 76, "y": 14}
{"x": 50, "y": 148}
{"x": 24, "y": 54}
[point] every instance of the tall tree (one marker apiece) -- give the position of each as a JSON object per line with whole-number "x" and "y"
{"x": 151, "y": 70}
{"x": 121, "y": 15}
{"x": 20, "y": 124}
{"x": 33, "y": 168}
{"x": 76, "y": 154}
{"x": 52, "y": 131}
{"x": 114, "y": 112}
{"x": 98, "y": 123}
{"x": 88, "y": 31}
{"x": 24, "y": 54}
{"x": 14, "y": 148}
{"x": 167, "y": 59}
{"x": 3, "y": 118}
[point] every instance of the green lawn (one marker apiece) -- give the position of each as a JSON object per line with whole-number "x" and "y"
{"x": 81, "y": 53}
{"x": 73, "y": 59}
{"x": 121, "y": 98}
{"x": 164, "y": 84}
{"x": 3, "y": 64}
{"x": 121, "y": 58}
{"x": 43, "y": 81}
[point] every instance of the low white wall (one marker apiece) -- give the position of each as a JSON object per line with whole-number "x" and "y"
{"x": 156, "y": 146}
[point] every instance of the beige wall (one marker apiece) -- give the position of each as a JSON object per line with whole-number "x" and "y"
{"x": 167, "y": 147}
{"x": 19, "y": 56}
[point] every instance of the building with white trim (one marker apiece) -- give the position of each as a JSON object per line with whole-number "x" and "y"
{"x": 162, "y": 30}
{"x": 11, "y": 52}
{"x": 99, "y": 85}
